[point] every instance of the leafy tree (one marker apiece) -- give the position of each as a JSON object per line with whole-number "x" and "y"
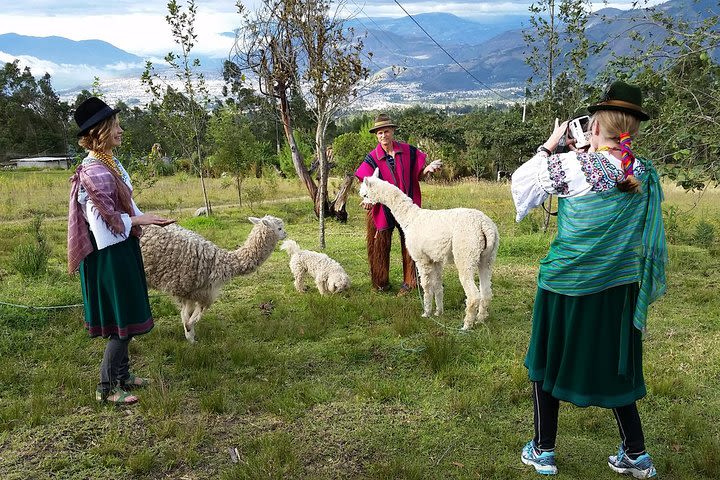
{"x": 182, "y": 114}
{"x": 285, "y": 42}
{"x": 33, "y": 120}
{"x": 557, "y": 52}
{"x": 236, "y": 148}
{"x": 675, "y": 66}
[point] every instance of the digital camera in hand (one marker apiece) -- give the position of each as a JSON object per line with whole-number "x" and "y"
{"x": 577, "y": 134}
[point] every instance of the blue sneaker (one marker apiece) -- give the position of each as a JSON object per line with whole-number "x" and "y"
{"x": 641, "y": 467}
{"x": 544, "y": 462}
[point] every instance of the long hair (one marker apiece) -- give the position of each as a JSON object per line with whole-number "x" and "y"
{"x": 622, "y": 128}
{"x": 98, "y": 139}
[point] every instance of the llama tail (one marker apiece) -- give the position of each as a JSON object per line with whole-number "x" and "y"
{"x": 290, "y": 246}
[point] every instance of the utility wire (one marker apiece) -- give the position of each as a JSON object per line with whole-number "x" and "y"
{"x": 453, "y": 58}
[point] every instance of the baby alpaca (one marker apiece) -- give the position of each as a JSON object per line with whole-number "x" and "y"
{"x": 329, "y": 274}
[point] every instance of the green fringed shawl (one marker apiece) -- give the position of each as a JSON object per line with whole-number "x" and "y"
{"x": 607, "y": 239}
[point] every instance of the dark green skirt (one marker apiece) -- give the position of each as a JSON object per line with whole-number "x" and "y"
{"x": 585, "y": 350}
{"x": 114, "y": 291}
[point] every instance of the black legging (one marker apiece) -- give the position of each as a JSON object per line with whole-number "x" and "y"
{"x": 546, "y": 423}
{"x": 115, "y": 365}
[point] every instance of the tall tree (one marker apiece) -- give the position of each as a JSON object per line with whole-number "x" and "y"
{"x": 184, "y": 114}
{"x": 289, "y": 43}
{"x": 33, "y": 120}
{"x": 333, "y": 70}
{"x": 557, "y": 52}
{"x": 236, "y": 148}
{"x": 675, "y": 64}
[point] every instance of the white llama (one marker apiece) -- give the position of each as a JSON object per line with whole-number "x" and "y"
{"x": 193, "y": 270}
{"x": 464, "y": 236}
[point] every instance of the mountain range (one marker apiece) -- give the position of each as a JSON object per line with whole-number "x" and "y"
{"x": 433, "y": 52}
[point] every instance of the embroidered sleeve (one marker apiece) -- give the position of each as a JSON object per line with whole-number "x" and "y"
{"x": 526, "y": 190}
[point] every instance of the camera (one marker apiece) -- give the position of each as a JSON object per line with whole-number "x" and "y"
{"x": 578, "y": 129}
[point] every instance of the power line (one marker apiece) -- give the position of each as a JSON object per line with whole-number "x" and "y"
{"x": 453, "y": 58}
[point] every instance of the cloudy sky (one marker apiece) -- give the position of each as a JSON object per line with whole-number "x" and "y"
{"x": 139, "y": 27}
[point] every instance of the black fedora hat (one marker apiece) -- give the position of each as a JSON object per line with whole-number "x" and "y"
{"x": 91, "y": 112}
{"x": 382, "y": 121}
{"x": 622, "y": 97}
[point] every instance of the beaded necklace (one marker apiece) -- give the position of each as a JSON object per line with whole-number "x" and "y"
{"x": 107, "y": 160}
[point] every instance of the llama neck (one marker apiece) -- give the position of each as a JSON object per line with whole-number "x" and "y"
{"x": 399, "y": 204}
{"x": 256, "y": 249}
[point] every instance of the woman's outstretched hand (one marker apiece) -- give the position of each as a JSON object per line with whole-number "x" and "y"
{"x": 150, "y": 219}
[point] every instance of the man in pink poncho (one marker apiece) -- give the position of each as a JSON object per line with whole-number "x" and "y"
{"x": 402, "y": 165}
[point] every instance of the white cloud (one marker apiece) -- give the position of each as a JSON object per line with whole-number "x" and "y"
{"x": 66, "y": 76}
{"x": 141, "y": 33}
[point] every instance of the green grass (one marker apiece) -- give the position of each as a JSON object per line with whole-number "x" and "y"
{"x": 350, "y": 386}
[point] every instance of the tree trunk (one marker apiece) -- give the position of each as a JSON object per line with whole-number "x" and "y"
{"x": 239, "y": 185}
{"x": 208, "y": 207}
{"x": 338, "y": 205}
{"x": 321, "y": 200}
{"x": 298, "y": 162}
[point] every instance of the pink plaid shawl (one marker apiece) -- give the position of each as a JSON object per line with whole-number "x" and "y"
{"x": 101, "y": 186}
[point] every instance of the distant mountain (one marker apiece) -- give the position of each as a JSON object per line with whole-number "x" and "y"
{"x": 491, "y": 50}
{"x": 61, "y": 50}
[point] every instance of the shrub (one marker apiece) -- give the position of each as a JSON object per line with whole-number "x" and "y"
{"x": 704, "y": 234}
{"x": 31, "y": 259}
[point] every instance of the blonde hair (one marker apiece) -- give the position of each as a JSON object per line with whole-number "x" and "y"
{"x": 98, "y": 137}
{"x": 614, "y": 124}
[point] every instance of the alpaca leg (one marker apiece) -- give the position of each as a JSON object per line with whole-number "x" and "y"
{"x": 485, "y": 291}
{"x": 438, "y": 288}
{"x": 186, "y": 309}
{"x": 427, "y": 286}
{"x": 194, "y": 318}
{"x": 472, "y": 294}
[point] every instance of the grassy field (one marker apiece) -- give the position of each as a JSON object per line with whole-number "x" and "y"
{"x": 350, "y": 386}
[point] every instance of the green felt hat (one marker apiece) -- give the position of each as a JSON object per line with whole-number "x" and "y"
{"x": 622, "y": 97}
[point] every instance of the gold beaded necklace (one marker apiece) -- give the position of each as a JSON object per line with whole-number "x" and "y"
{"x": 107, "y": 160}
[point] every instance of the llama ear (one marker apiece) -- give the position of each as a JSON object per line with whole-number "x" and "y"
{"x": 376, "y": 173}
{"x": 254, "y": 220}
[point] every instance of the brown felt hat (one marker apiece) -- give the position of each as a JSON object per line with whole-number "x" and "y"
{"x": 622, "y": 97}
{"x": 382, "y": 121}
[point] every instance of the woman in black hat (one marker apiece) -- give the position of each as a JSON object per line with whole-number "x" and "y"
{"x": 604, "y": 268}
{"x": 104, "y": 225}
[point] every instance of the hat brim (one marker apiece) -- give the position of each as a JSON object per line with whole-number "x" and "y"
{"x": 637, "y": 113}
{"x": 103, "y": 114}
{"x": 380, "y": 127}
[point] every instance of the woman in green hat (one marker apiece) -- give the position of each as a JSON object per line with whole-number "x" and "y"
{"x": 604, "y": 268}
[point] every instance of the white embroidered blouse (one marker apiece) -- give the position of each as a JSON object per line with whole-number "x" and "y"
{"x": 565, "y": 175}
{"x": 104, "y": 236}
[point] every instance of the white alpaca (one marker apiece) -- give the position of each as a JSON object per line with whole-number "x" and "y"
{"x": 329, "y": 275}
{"x": 464, "y": 236}
{"x": 193, "y": 270}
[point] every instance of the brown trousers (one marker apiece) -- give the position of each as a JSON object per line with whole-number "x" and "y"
{"x": 379, "y": 243}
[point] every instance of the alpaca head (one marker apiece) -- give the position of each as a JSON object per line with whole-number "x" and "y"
{"x": 369, "y": 188}
{"x": 273, "y": 223}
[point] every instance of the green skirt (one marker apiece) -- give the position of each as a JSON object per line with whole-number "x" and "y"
{"x": 114, "y": 291}
{"x": 585, "y": 349}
